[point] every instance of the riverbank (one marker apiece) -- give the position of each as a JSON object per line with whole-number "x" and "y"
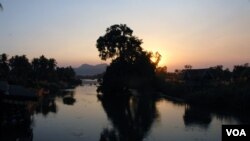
{"x": 232, "y": 96}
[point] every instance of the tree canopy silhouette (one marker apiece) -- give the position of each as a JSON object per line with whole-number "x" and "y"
{"x": 40, "y": 72}
{"x": 131, "y": 66}
{"x": 119, "y": 42}
{"x": 20, "y": 69}
{"x": 44, "y": 68}
{"x": 4, "y": 68}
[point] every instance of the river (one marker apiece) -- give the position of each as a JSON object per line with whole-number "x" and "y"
{"x": 78, "y": 115}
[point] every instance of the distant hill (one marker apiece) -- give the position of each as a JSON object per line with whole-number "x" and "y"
{"x": 86, "y": 69}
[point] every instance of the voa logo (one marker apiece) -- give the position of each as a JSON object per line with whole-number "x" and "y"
{"x": 236, "y": 132}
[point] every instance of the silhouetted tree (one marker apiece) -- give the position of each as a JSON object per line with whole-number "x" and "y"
{"x": 20, "y": 69}
{"x": 131, "y": 66}
{"x": 42, "y": 72}
{"x": 188, "y": 67}
{"x": 119, "y": 42}
{"x": 241, "y": 73}
{"x": 161, "y": 72}
{"x": 65, "y": 74}
{"x": 44, "y": 69}
{"x": 4, "y": 66}
{"x": 221, "y": 74}
{"x": 227, "y": 75}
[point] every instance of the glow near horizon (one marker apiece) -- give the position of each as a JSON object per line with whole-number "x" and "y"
{"x": 201, "y": 33}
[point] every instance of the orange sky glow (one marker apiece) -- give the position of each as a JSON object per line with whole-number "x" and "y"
{"x": 200, "y": 33}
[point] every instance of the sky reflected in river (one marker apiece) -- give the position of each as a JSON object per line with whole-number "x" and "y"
{"x": 83, "y": 117}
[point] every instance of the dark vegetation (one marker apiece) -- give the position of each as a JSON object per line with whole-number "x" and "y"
{"x": 17, "y": 120}
{"x": 39, "y": 73}
{"x": 131, "y": 66}
{"x": 127, "y": 85}
{"x": 214, "y": 87}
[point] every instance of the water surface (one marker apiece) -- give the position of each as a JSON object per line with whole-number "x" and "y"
{"x": 78, "y": 115}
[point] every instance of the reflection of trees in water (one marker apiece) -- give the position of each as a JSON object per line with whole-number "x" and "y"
{"x": 131, "y": 117}
{"x": 195, "y": 116}
{"x": 68, "y": 97}
{"x": 69, "y": 100}
{"x": 48, "y": 105}
{"x": 16, "y": 122}
{"x": 202, "y": 116}
{"x": 241, "y": 116}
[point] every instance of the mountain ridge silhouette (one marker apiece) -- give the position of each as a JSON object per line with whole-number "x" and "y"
{"x": 88, "y": 69}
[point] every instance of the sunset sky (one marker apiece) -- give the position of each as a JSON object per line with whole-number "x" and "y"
{"x": 202, "y": 33}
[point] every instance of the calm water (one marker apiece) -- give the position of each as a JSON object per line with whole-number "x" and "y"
{"x": 78, "y": 115}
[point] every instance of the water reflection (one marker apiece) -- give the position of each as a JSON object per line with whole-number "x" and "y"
{"x": 67, "y": 97}
{"x": 48, "y": 105}
{"x": 202, "y": 116}
{"x": 16, "y": 121}
{"x": 196, "y": 116}
{"x": 69, "y": 100}
{"x": 242, "y": 116}
{"x": 79, "y": 116}
{"x": 131, "y": 117}
{"x": 17, "y": 115}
